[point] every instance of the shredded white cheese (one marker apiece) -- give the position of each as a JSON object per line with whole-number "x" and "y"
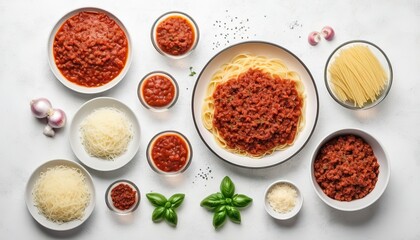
{"x": 61, "y": 194}
{"x": 106, "y": 133}
{"x": 282, "y": 197}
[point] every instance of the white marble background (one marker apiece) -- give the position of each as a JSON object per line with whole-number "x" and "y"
{"x": 25, "y": 74}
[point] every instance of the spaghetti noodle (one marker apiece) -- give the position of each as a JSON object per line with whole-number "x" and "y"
{"x": 61, "y": 194}
{"x": 106, "y": 133}
{"x": 356, "y": 75}
{"x": 254, "y": 105}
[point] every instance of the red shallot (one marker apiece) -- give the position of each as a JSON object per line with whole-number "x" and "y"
{"x": 314, "y": 38}
{"x": 42, "y": 108}
{"x": 56, "y": 118}
{"x": 328, "y": 33}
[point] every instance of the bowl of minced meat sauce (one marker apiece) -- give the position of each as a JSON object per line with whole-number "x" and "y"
{"x": 122, "y": 197}
{"x": 169, "y": 153}
{"x": 175, "y": 35}
{"x": 89, "y": 50}
{"x": 158, "y": 91}
{"x": 349, "y": 169}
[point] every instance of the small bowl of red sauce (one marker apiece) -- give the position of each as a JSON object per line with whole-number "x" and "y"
{"x": 122, "y": 197}
{"x": 158, "y": 91}
{"x": 169, "y": 153}
{"x": 350, "y": 170}
{"x": 175, "y": 34}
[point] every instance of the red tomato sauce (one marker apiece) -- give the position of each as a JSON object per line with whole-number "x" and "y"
{"x": 158, "y": 91}
{"x": 123, "y": 196}
{"x": 90, "y": 49}
{"x": 170, "y": 153}
{"x": 256, "y": 112}
{"x": 346, "y": 168}
{"x": 175, "y": 35}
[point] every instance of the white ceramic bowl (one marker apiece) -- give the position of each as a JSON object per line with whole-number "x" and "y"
{"x": 73, "y": 86}
{"x": 76, "y": 141}
{"x": 41, "y": 219}
{"x": 287, "y": 215}
{"x": 163, "y": 18}
{"x": 379, "y": 54}
{"x": 383, "y": 177}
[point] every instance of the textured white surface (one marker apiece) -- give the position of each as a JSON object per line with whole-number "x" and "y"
{"x": 24, "y": 74}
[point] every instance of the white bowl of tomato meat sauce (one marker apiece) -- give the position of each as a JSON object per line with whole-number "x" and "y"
{"x": 89, "y": 50}
{"x": 169, "y": 153}
{"x": 175, "y": 34}
{"x": 344, "y": 173}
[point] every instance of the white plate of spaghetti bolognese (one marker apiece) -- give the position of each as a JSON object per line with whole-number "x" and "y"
{"x": 255, "y": 104}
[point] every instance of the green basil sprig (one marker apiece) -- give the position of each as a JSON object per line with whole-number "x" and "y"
{"x": 192, "y": 72}
{"x": 225, "y": 203}
{"x": 165, "y": 208}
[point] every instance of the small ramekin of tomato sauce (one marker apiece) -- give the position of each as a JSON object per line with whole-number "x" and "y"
{"x": 122, "y": 197}
{"x": 158, "y": 91}
{"x": 169, "y": 153}
{"x": 175, "y": 35}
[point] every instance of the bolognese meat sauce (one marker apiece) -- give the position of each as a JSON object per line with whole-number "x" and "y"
{"x": 90, "y": 49}
{"x": 158, "y": 91}
{"x": 175, "y": 35}
{"x": 346, "y": 168}
{"x": 170, "y": 153}
{"x": 257, "y": 112}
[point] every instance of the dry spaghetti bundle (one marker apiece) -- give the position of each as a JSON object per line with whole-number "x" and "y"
{"x": 356, "y": 75}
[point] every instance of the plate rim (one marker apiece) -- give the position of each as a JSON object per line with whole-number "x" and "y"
{"x": 73, "y": 86}
{"x": 38, "y": 217}
{"x": 72, "y": 128}
{"x": 263, "y": 43}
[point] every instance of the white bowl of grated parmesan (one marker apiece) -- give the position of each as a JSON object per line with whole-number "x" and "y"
{"x": 283, "y": 200}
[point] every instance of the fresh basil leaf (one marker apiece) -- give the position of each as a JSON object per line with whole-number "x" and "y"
{"x": 158, "y": 214}
{"x": 219, "y": 217}
{"x": 219, "y": 195}
{"x": 241, "y": 200}
{"x": 192, "y": 73}
{"x": 171, "y": 217}
{"x": 234, "y": 214}
{"x": 176, "y": 200}
{"x": 220, "y": 208}
{"x": 227, "y": 187}
{"x": 226, "y": 203}
{"x": 156, "y": 199}
{"x": 212, "y": 201}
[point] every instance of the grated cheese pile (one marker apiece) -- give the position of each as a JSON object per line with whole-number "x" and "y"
{"x": 106, "y": 133}
{"x": 61, "y": 194}
{"x": 282, "y": 197}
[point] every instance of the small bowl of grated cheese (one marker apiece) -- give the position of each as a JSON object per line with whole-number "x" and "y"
{"x": 283, "y": 200}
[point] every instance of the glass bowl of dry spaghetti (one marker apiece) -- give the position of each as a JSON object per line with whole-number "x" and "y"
{"x": 358, "y": 75}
